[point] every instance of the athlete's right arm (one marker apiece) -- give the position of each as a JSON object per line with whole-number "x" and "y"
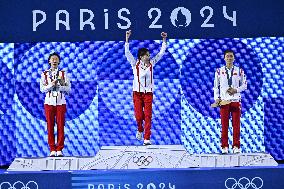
{"x": 44, "y": 86}
{"x": 217, "y": 85}
{"x": 128, "y": 54}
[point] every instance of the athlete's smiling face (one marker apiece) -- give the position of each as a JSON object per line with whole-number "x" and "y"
{"x": 229, "y": 58}
{"x": 146, "y": 57}
{"x": 54, "y": 61}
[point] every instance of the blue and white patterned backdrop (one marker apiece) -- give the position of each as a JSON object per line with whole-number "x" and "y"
{"x": 100, "y": 108}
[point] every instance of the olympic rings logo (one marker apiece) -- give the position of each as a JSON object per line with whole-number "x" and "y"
{"x": 142, "y": 160}
{"x": 244, "y": 183}
{"x": 19, "y": 185}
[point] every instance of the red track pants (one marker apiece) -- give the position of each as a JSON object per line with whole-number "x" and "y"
{"x": 235, "y": 109}
{"x": 143, "y": 111}
{"x": 59, "y": 112}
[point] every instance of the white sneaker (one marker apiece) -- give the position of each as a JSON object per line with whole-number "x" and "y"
{"x": 139, "y": 135}
{"x": 59, "y": 154}
{"x": 52, "y": 154}
{"x": 236, "y": 150}
{"x": 147, "y": 142}
{"x": 225, "y": 150}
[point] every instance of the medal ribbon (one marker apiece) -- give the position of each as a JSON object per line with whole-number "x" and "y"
{"x": 230, "y": 79}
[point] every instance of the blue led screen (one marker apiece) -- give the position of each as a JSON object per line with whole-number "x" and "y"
{"x": 100, "y": 106}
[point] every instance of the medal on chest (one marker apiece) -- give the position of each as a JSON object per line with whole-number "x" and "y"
{"x": 55, "y": 78}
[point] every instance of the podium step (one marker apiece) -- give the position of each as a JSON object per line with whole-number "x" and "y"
{"x": 142, "y": 157}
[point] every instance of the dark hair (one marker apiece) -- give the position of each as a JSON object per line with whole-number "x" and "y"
{"x": 142, "y": 52}
{"x": 53, "y": 54}
{"x": 228, "y": 51}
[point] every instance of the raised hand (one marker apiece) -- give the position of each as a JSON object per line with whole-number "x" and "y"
{"x": 164, "y": 35}
{"x": 127, "y": 35}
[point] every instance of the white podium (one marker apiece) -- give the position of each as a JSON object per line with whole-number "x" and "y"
{"x": 142, "y": 157}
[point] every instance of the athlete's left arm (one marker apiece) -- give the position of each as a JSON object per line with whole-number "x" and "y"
{"x": 67, "y": 85}
{"x": 162, "y": 51}
{"x": 243, "y": 82}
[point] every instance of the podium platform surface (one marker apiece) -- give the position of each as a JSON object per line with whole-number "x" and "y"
{"x": 142, "y": 157}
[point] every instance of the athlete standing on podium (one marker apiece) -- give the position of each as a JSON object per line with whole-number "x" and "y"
{"x": 229, "y": 82}
{"x": 55, "y": 84}
{"x": 143, "y": 86}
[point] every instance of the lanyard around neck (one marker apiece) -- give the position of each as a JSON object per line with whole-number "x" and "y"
{"x": 229, "y": 78}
